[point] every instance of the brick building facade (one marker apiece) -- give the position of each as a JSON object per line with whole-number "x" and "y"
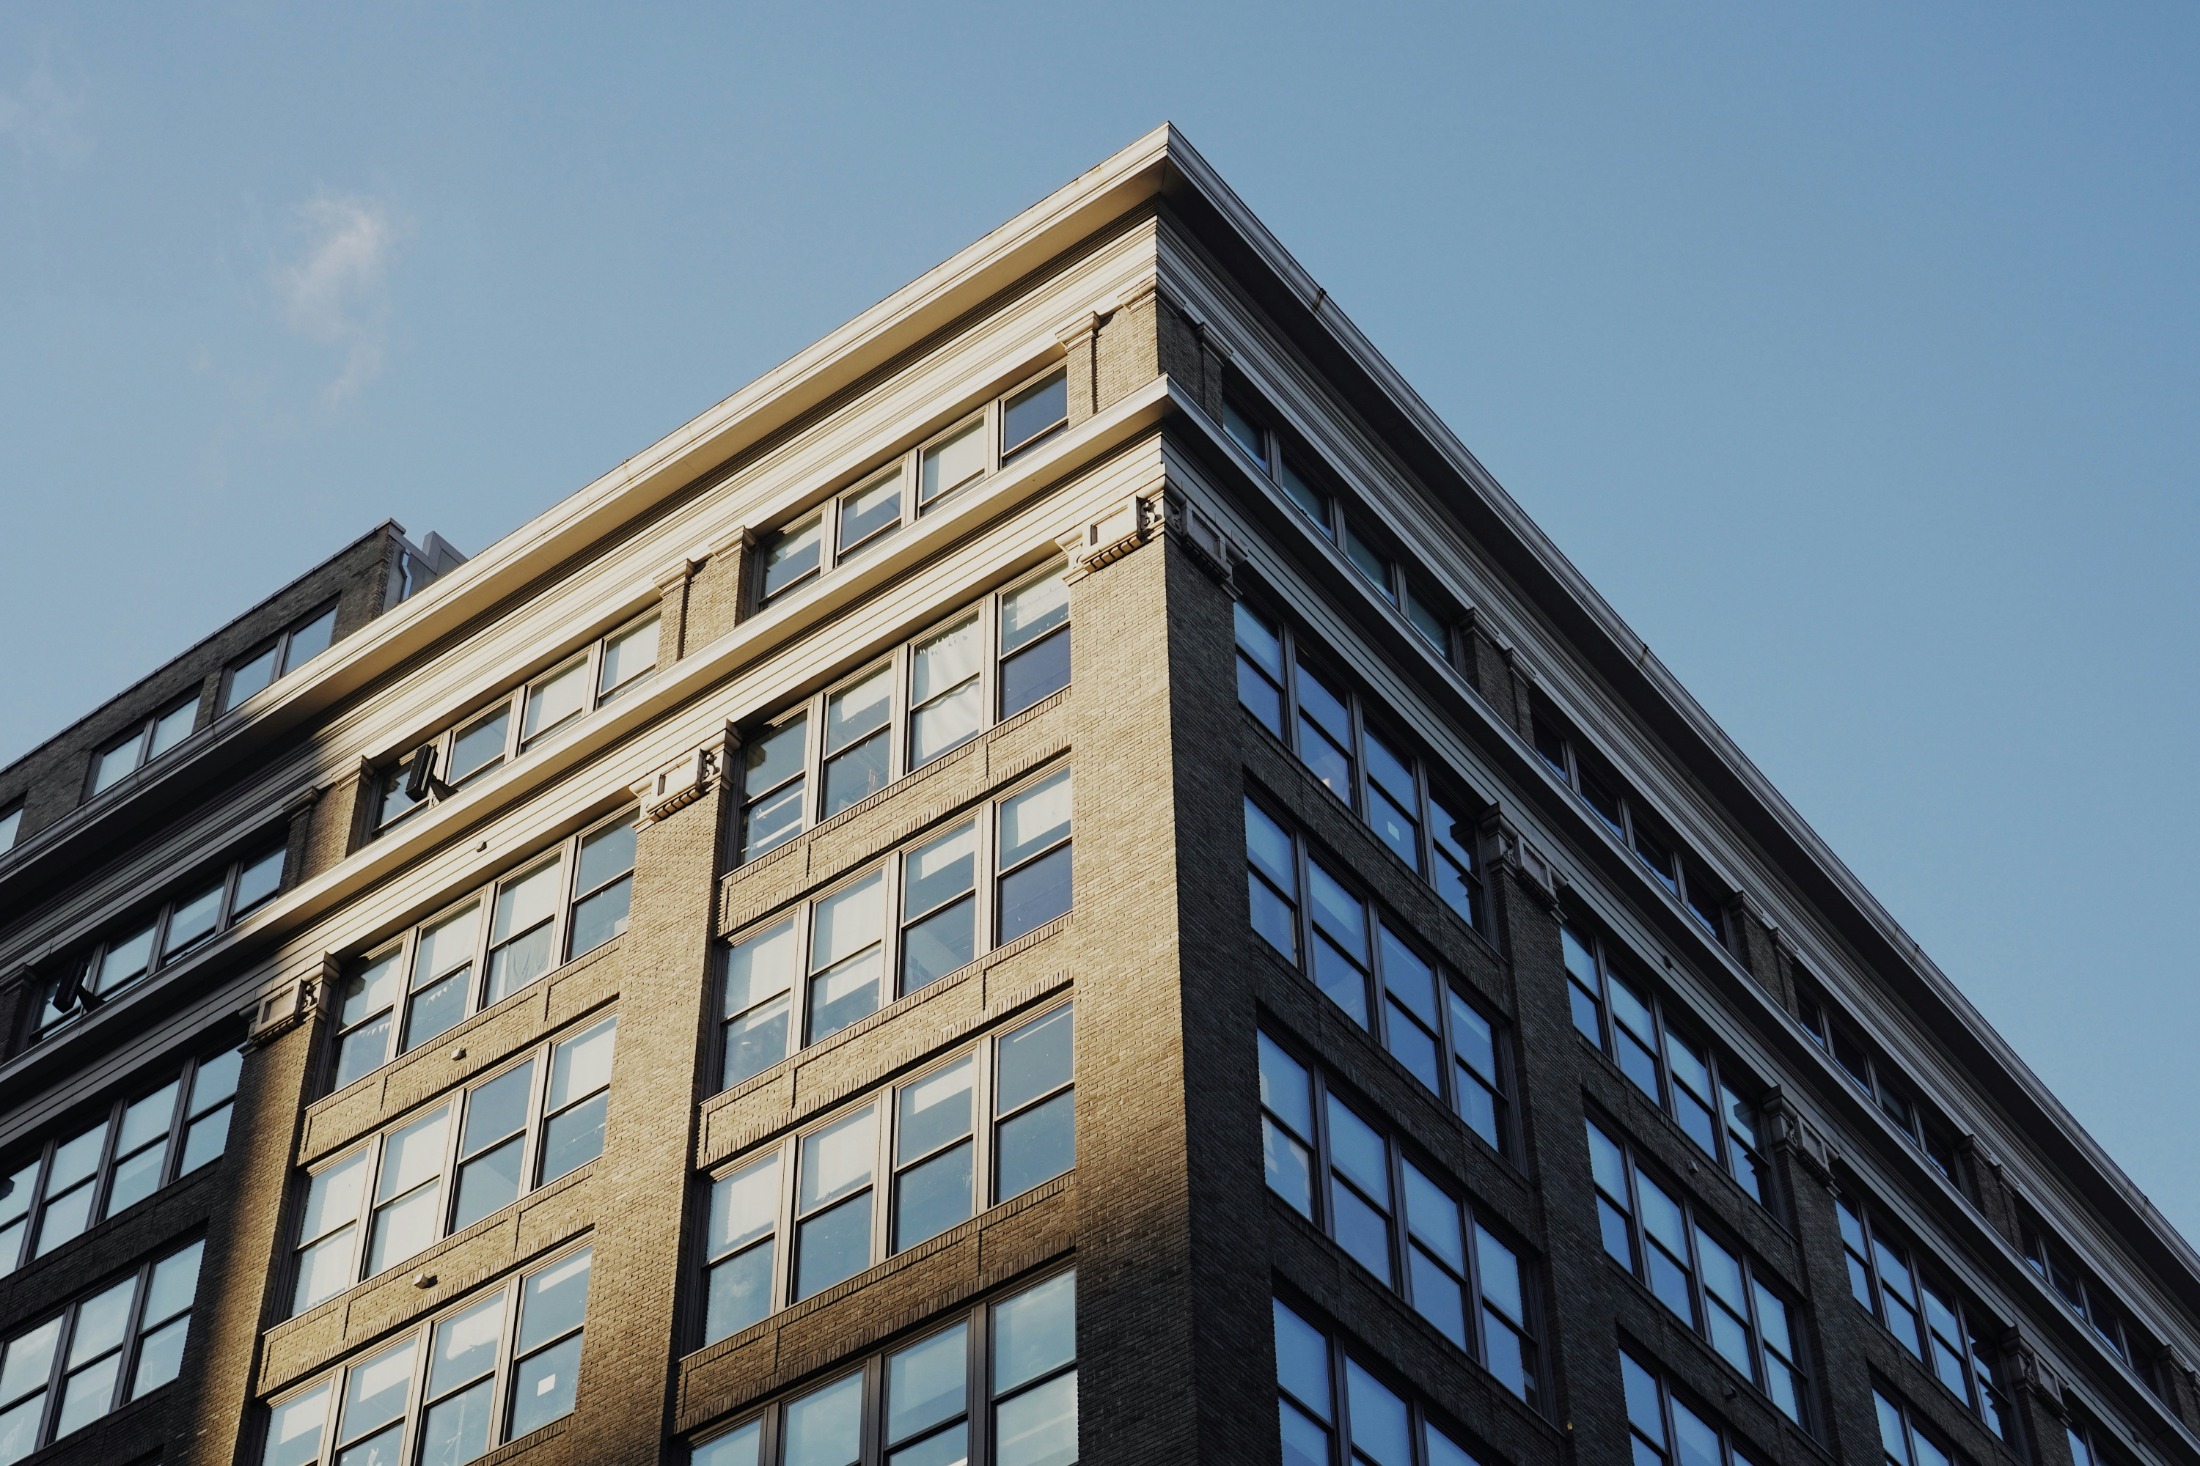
{"x": 1062, "y": 878}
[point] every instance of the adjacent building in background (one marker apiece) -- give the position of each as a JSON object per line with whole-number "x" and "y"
{"x": 1062, "y": 878}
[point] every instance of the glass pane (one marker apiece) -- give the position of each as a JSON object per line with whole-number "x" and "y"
{"x": 605, "y": 855}
{"x": 1038, "y": 1427}
{"x": 932, "y": 1197}
{"x": 601, "y": 917}
{"x": 374, "y": 1392}
{"x": 1428, "y": 623}
{"x": 837, "y": 1160}
{"x": 64, "y": 1217}
{"x": 171, "y": 728}
{"x": 1033, "y": 609}
{"x": 773, "y": 757}
{"x": 573, "y": 1139}
{"x": 744, "y": 1206}
{"x": 1432, "y": 1216}
{"x": 1339, "y": 914}
{"x": 1302, "y": 1360}
{"x": 175, "y": 1280}
{"x": 1035, "y": 894}
{"x": 951, "y": 463}
{"x": 740, "y": 1292}
{"x": 870, "y": 510}
{"x": 403, "y": 1228}
{"x": 101, "y": 1321}
{"x": 945, "y": 661}
{"x": 123, "y": 960}
{"x": 793, "y": 556}
{"x": 447, "y": 945}
{"x": 294, "y": 1433}
{"x": 1034, "y": 1059}
{"x": 87, "y": 1395}
{"x": 76, "y": 1158}
{"x": 368, "y": 990}
{"x": 1357, "y": 1150}
{"x": 1498, "y": 1268}
{"x": 1034, "y": 1332}
{"x": 486, "y": 1183}
{"x": 543, "y": 1386}
{"x": 497, "y": 1109}
{"x": 526, "y": 902}
{"x": 933, "y": 1111}
{"x": 456, "y": 1430}
{"x": 412, "y": 1155}
{"x": 825, "y": 1427}
{"x": 736, "y": 1448}
{"x": 627, "y": 657}
{"x": 1369, "y": 561}
{"x": 160, "y": 1357}
{"x": 1312, "y": 502}
{"x": 582, "y": 1065}
{"x": 29, "y": 1362}
{"x": 248, "y": 677}
{"x": 553, "y": 1301}
{"x": 1035, "y": 1146}
{"x": 755, "y": 1041}
{"x": 310, "y": 640}
{"x": 1038, "y": 671}
{"x": 854, "y": 713}
{"x": 1035, "y": 411}
{"x": 259, "y": 880}
{"x": 938, "y": 945}
{"x": 193, "y": 919}
{"x": 480, "y": 744}
{"x": 844, "y": 995}
{"x": 561, "y": 695}
{"x": 1284, "y": 1087}
{"x": 927, "y": 1383}
{"x": 1379, "y": 1428}
{"x": 325, "y": 1269}
{"x": 147, "y": 1119}
{"x": 465, "y": 1346}
{"x": 760, "y": 967}
{"x": 1240, "y": 426}
{"x": 833, "y": 1245}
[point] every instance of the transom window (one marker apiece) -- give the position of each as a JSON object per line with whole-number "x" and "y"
{"x": 298, "y": 644}
{"x": 1350, "y": 1179}
{"x": 1652, "y": 1230}
{"x": 174, "y": 930}
{"x": 1667, "y": 1430}
{"x": 1880, "y": 1080}
{"x": 979, "y": 1129}
{"x": 384, "y": 1201}
{"x": 1926, "y": 1317}
{"x": 1687, "y": 1079}
{"x": 144, "y": 743}
{"x": 1366, "y": 966}
{"x": 141, "y": 1143}
{"x": 98, "y": 1354}
{"x": 488, "y": 738}
{"x": 929, "y": 696}
{"x": 1334, "y": 1412}
{"x": 1328, "y": 726}
{"x": 998, "y": 1385}
{"x": 556, "y": 908}
{"x": 900, "y": 926}
{"x": 487, "y": 1371}
{"x": 891, "y": 495}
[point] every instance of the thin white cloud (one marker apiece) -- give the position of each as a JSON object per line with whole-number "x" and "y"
{"x": 336, "y": 291}
{"x": 40, "y": 118}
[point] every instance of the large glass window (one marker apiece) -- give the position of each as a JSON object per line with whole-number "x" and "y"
{"x": 1652, "y": 1229}
{"x": 887, "y": 931}
{"x": 488, "y": 1370}
{"x": 555, "y": 908}
{"x": 1365, "y": 964}
{"x": 297, "y": 645}
{"x": 87, "y": 1172}
{"x": 1903, "y": 1439}
{"x": 380, "y": 1203}
{"x": 101, "y": 1352}
{"x": 490, "y": 737}
{"x": 1631, "y": 1024}
{"x": 1925, "y": 1315}
{"x": 141, "y": 745}
{"x": 973, "y": 1131}
{"x": 1349, "y": 1178}
{"x": 1666, "y": 1429}
{"x": 930, "y": 696}
{"x": 1334, "y": 1411}
{"x": 996, "y": 1385}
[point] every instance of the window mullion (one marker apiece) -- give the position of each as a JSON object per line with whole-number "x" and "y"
{"x": 790, "y": 1185}
{"x": 178, "y": 1123}
{"x": 538, "y": 1118}
{"x": 126, "y": 1351}
{"x": 978, "y": 1393}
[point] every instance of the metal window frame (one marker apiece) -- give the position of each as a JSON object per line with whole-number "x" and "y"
{"x": 1340, "y": 1357}
{"x": 1732, "y": 1453}
{"x": 279, "y": 643}
{"x": 1967, "y": 1314}
{"x": 58, "y": 1371}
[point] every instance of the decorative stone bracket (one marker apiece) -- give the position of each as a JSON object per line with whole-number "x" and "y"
{"x": 1797, "y": 1137}
{"x": 679, "y": 784}
{"x": 288, "y": 1006}
{"x": 1522, "y": 858}
{"x": 1138, "y": 518}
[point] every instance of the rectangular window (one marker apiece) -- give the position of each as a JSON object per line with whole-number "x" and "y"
{"x": 1244, "y": 429}
{"x": 1327, "y": 1400}
{"x": 978, "y": 1129}
{"x": 2058, "y": 1266}
{"x": 98, "y": 1354}
{"x": 1433, "y": 626}
{"x": 1367, "y": 966}
{"x": 1902, "y": 1439}
{"x": 553, "y": 910}
{"x": 11, "y": 827}
{"x": 380, "y": 1203}
{"x": 956, "y": 459}
{"x": 921, "y": 915}
{"x": 1350, "y": 1179}
{"x": 930, "y": 696}
{"x": 1030, "y": 415}
{"x": 144, "y": 743}
{"x": 794, "y": 556}
{"x": 1374, "y": 566}
{"x": 1682, "y": 1076}
{"x": 865, "y": 515}
{"x": 1652, "y": 1230}
{"x": 1309, "y": 500}
{"x": 997, "y": 1385}
{"x": 488, "y": 738}
{"x": 1925, "y": 1315}
{"x": 86, "y": 1173}
{"x": 297, "y": 645}
{"x": 486, "y": 1371}
{"x": 176, "y": 928}
{"x": 1883, "y": 1084}
{"x": 1666, "y": 1430}
{"x": 1394, "y": 792}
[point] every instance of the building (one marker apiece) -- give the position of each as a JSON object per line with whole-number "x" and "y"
{"x": 650, "y": 993}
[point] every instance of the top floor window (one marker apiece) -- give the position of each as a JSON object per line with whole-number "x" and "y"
{"x": 926, "y": 698}
{"x": 1879, "y": 1079}
{"x": 11, "y": 826}
{"x": 1631, "y": 1025}
{"x": 490, "y": 737}
{"x": 2057, "y": 1264}
{"x": 895, "y": 494}
{"x": 1337, "y": 735}
{"x": 558, "y": 907}
{"x": 292, "y": 649}
{"x": 144, "y": 743}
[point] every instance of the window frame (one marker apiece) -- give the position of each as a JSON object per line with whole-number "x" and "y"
{"x": 11, "y": 826}
{"x": 281, "y": 644}
{"x": 1732, "y": 1450}
{"x": 130, "y": 1351}
{"x": 403, "y": 950}
{"x": 1341, "y": 1360}
{"x": 1891, "y": 1407}
{"x": 142, "y": 740}
{"x": 1982, "y": 1393}
{"x": 783, "y": 1241}
{"x": 456, "y": 1105}
{"x": 1889, "y": 1090}
{"x": 2045, "y": 1252}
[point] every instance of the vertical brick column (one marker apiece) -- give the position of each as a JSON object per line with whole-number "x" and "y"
{"x": 717, "y": 596}
{"x": 672, "y": 592}
{"x": 1837, "y": 1326}
{"x": 634, "y": 1314}
{"x": 1762, "y": 950}
{"x": 2035, "y": 1399}
{"x": 1495, "y": 674}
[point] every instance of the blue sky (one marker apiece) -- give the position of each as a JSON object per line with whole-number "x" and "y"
{"x": 1850, "y": 350}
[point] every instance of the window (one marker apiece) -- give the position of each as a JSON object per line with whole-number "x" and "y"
{"x": 926, "y": 698}
{"x": 1327, "y": 1401}
{"x": 11, "y": 826}
{"x": 1666, "y": 1430}
{"x": 1351, "y": 1180}
{"x": 490, "y": 737}
{"x": 1879, "y": 1079}
{"x": 1905, "y": 1442}
{"x": 897, "y": 927}
{"x": 554, "y": 909}
{"x": 1371, "y": 771}
{"x": 1687, "y": 1079}
{"x": 1374, "y": 566}
{"x": 976, "y": 1130}
{"x": 144, "y": 743}
{"x": 98, "y": 1354}
{"x": 1367, "y": 967}
{"x": 296, "y": 646}
{"x": 1035, "y": 413}
{"x": 139, "y": 1144}
{"x": 1925, "y": 1315}
{"x": 169, "y": 933}
{"x": 1652, "y": 1231}
{"x": 2088, "y": 1446}
{"x": 2077, "y": 1286}
{"x": 373, "y": 1207}
{"x": 487, "y": 1371}
{"x": 998, "y": 1385}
